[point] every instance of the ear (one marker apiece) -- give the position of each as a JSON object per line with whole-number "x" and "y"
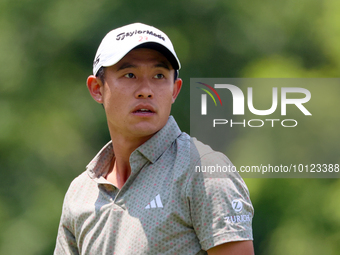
{"x": 176, "y": 89}
{"x": 95, "y": 86}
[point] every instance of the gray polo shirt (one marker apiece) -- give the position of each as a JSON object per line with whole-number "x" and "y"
{"x": 165, "y": 207}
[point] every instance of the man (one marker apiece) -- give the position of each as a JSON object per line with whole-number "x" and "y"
{"x": 141, "y": 194}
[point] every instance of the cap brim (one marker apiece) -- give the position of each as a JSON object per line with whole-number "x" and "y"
{"x": 162, "y": 49}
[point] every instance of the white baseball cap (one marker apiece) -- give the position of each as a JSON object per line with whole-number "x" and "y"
{"x": 118, "y": 42}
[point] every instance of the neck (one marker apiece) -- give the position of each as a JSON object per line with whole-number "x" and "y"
{"x": 120, "y": 169}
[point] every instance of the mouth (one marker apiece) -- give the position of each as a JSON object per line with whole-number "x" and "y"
{"x": 144, "y": 110}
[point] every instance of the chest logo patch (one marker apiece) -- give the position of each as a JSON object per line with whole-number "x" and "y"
{"x": 155, "y": 203}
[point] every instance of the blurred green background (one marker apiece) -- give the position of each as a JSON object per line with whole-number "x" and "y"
{"x": 50, "y": 127}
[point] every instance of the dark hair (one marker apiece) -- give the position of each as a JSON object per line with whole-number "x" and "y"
{"x": 101, "y": 73}
{"x": 176, "y": 75}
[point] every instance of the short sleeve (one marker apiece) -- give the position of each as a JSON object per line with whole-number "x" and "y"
{"x": 66, "y": 243}
{"x": 220, "y": 207}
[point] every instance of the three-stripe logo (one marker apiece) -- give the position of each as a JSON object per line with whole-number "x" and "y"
{"x": 155, "y": 203}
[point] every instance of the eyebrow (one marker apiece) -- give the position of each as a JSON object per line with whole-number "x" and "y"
{"x": 125, "y": 66}
{"x": 161, "y": 64}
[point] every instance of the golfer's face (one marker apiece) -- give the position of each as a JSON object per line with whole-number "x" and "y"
{"x": 138, "y": 93}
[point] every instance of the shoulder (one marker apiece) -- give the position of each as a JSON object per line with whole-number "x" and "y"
{"x": 81, "y": 183}
{"x": 212, "y": 171}
{"x": 209, "y": 162}
{"x": 219, "y": 200}
{"x": 81, "y": 179}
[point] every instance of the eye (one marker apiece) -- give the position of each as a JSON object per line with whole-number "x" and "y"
{"x": 159, "y": 76}
{"x": 129, "y": 75}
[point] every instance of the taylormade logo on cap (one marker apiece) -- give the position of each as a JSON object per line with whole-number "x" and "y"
{"x": 118, "y": 42}
{"x": 121, "y": 36}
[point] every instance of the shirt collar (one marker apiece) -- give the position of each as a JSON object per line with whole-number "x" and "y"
{"x": 101, "y": 162}
{"x": 160, "y": 142}
{"x": 151, "y": 149}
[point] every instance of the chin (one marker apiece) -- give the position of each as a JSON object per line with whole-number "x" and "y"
{"x": 147, "y": 131}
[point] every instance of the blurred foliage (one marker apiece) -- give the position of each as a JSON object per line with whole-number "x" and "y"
{"x": 50, "y": 128}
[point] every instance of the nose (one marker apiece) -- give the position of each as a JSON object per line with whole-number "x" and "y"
{"x": 144, "y": 89}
